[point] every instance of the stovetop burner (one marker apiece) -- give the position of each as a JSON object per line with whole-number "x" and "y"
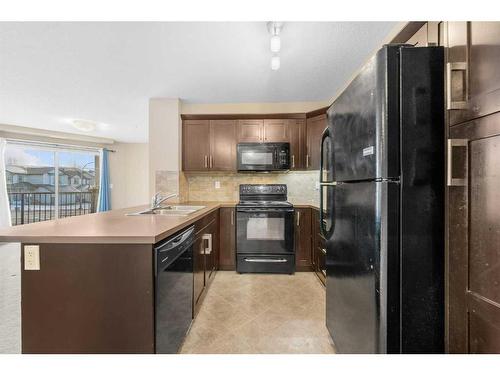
{"x": 271, "y": 195}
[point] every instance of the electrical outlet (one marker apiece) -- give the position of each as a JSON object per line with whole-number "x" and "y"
{"x": 31, "y": 257}
{"x": 217, "y": 184}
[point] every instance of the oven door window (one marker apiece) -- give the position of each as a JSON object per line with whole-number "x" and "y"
{"x": 266, "y": 229}
{"x": 257, "y": 158}
{"x": 265, "y": 232}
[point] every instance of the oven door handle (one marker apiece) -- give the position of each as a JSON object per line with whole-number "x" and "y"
{"x": 257, "y": 260}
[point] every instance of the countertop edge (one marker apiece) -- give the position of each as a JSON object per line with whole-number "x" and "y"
{"x": 147, "y": 239}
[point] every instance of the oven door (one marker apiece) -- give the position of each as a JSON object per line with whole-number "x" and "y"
{"x": 264, "y": 231}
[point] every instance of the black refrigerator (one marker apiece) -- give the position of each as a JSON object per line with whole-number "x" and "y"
{"x": 382, "y": 205}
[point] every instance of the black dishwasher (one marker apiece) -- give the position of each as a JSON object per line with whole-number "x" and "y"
{"x": 174, "y": 291}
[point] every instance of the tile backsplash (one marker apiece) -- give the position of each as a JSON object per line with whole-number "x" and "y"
{"x": 201, "y": 186}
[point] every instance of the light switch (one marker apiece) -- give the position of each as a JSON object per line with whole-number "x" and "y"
{"x": 217, "y": 184}
{"x": 316, "y": 185}
{"x": 31, "y": 257}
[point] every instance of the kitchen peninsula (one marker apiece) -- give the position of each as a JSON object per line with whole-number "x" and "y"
{"x": 94, "y": 291}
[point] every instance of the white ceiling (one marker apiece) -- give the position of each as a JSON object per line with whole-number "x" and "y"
{"x": 106, "y": 72}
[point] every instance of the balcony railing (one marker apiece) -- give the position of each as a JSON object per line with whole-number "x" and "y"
{"x": 28, "y": 208}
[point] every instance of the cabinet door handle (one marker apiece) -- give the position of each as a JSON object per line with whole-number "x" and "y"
{"x": 206, "y": 161}
{"x": 307, "y": 161}
{"x": 323, "y": 250}
{"x": 211, "y": 161}
{"x": 293, "y": 161}
{"x": 298, "y": 218}
{"x": 454, "y": 67}
{"x": 208, "y": 248}
{"x": 232, "y": 217}
{"x": 450, "y": 180}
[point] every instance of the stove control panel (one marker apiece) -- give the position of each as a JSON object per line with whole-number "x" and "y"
{"x": 271, "y": 189}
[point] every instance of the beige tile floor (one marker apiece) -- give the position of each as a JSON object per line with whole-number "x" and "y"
{"x": 259, "y": 313}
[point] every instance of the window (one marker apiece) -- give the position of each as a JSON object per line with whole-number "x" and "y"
{"x": 47, "y": 182}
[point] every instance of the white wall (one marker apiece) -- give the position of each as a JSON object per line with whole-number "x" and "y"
{"x": 129, "y": 174}
{"x": 10, "y": 298}
{"x": 252, "y": 108}
{"x": 164, "y": 138}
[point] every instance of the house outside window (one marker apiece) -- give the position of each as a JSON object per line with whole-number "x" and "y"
{"x": 32, "y": 170}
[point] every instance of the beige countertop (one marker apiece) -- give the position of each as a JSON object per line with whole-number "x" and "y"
{"x": 107, "y": 227}
{"x": 112, "y": 226}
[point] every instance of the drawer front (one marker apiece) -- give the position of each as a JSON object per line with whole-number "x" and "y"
{"x": 265, "y": 263}
{"x": 321, "y": 263}
{"x": 204, "y": 221}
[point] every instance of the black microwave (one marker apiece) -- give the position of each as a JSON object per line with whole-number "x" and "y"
{"x": 263, "y": 156}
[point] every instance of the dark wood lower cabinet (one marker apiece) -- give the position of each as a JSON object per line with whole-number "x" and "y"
{"x": 206, "y": 258}
{"x": 473, "y": 256}
{"x": 198, "y": 268}
{"x": 303, "y": 239}
{"x": 227, "y": 242}
{"x": 318, "y": 248}
{"x": 212, "y": 250}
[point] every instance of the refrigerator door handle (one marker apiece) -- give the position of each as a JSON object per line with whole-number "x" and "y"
{"x": 326, "y": 134}
{"x": 324, "y": 233}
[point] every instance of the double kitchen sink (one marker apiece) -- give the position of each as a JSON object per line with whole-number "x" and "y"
{"x": 169, "y": 211}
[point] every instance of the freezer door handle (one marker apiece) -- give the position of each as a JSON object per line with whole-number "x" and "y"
{"x": 323, "y": 174}
{"x": 452, "y": 145}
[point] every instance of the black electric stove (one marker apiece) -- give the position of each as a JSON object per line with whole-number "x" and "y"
{"x": 264, "y": 228}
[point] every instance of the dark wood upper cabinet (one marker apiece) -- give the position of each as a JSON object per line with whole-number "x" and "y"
{"x": 222, "y": 145}
{"x": 195, "y": 145}
{"x": 303, "y": 239}
{"x": 269, "y": 130}
{"x": 250, "y": 130}
{"x": 473, "y": 77}
{"x": 296, "y": 137}
{"x": 275, "y": 130}
{"x": 227, "y": 242}
{"x": 315, "y": 127}
{"x": 209, "y": 145}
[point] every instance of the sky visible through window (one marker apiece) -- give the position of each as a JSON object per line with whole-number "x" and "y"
{"x": 23, "y": 156}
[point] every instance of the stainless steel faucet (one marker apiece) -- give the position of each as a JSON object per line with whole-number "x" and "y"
{"x": 158, "y": 199}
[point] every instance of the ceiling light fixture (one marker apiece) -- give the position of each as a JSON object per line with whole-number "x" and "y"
{"x": 274, "y": 29}
{"x": 275, "y": 62}
{"x": 84, "y": 125}
{"x": 275, "y": 43}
